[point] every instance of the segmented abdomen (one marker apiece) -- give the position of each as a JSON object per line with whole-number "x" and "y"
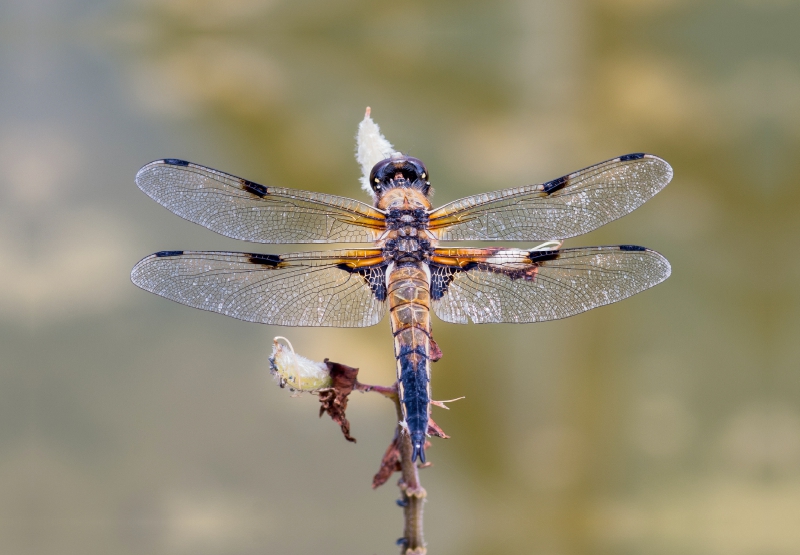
{"x": 409, "y": 308}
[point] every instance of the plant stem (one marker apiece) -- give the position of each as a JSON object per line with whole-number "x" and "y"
{"x": 412, "y": 493}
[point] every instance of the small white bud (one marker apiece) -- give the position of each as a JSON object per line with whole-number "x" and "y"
{"x": 296, "y": 371}
{"x": 371, "y": 148}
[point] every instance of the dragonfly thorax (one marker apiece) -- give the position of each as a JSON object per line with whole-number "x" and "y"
{"x": 406, "y": 221}
{"x": 406, "y": 239}
{"x": 408, "y": 249}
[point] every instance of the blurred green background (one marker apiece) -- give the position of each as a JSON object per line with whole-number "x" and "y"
{"x": 665, "y": 424}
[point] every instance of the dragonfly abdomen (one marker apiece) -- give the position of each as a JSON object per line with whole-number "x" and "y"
{"x": 409, "y": 305}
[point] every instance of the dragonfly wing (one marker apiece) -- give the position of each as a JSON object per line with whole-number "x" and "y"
{"x": 334, "y": 288}
{"x": 513, "y": 285}
{"x": 241, "y": 209}
{"x": 565, "y": 207}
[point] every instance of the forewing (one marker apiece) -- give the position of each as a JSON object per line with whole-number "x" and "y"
{"x": 241, "y": 209}
{"x": 335, "y": 288}
{"x": 565, "y": 207}
{"x": 512, "y": 285}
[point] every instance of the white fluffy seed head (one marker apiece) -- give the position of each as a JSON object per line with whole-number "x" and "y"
{"x": 371, "y": 148}
{"x": 296, "y": 371}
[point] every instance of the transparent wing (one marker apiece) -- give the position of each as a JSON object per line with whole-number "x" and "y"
{"x": 565, "y": 207}
{"x": 241, "y": 209}
{"x": 335, "y": 288}
{"x": 512, "y": 285}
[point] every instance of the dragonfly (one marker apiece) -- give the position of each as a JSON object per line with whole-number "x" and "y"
{"x": 399, "y": 265}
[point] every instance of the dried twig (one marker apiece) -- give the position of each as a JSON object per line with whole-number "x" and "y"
{"x": 412, "y": 494}
{"x": 398, "y": 456}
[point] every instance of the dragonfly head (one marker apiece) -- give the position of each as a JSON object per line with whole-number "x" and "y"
{"x": 399, "y": 171}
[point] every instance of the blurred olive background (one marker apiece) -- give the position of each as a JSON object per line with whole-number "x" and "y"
{"x": 668, "y": 423}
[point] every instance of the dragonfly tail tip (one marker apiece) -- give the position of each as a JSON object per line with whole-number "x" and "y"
{"x": 419, "y": 450}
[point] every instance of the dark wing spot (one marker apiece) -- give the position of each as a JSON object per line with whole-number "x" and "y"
{"x": 634, "y": 156}
{"x": 175, "y": 162}
{"x": 162, "y": 254}
{"x": 543, "y": 256}
{"x": 253, "y": 188}
{"x": 441, "y": 277}
{"x": 271, "y": 260}
{"x": 556, "y": 184}
{"x": 375, "y": 276}
{"x": 631, "y": 248}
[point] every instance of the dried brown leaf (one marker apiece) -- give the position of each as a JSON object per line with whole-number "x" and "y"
{"x": 333, "y": 401}
{"x": 435, "y": 430}
{"x": 436, "y": 352}
{"x": 389, "y": 464}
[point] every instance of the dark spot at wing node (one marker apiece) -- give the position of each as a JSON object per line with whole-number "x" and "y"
{"x": 556, "y": 184}
{"x": 543, "y": 256}
{"x": 631, "y": 248}
{"x": 175, "y": 162}
{"x": 162, "y": 254}
{"x": 634, "y": 156}
{"x": 253, "y": 188}
{"x": 271, "y": 260}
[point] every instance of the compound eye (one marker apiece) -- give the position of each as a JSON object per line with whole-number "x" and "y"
{"x": 377, "y": 172}
{"x": 419, "y": 168}
{"x": 423, "y": 174}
